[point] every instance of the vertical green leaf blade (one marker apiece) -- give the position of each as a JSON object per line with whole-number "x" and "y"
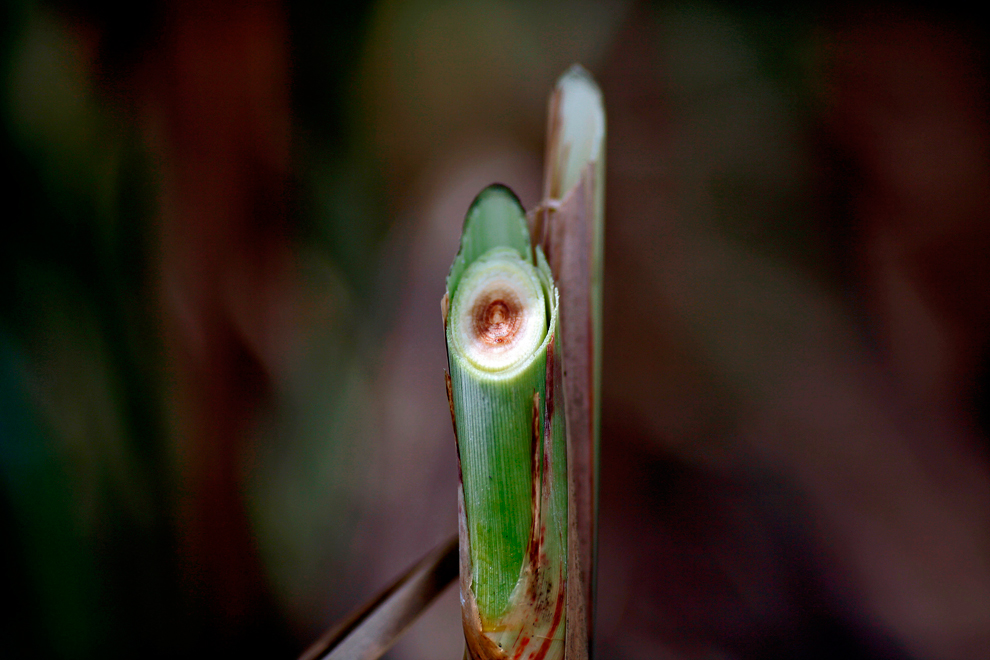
{"x": 491, "y": 221}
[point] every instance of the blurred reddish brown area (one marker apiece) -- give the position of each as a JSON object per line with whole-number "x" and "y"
{"x": 853, "y": 421}
{"x": 220, "y": 89}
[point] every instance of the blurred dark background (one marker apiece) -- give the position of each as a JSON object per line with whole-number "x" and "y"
{"x": 222, "y": 414}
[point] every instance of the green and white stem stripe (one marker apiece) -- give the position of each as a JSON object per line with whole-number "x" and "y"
{"x": 503, "y": 352}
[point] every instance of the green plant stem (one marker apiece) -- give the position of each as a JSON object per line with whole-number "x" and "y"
{"x": 500, "y": 316}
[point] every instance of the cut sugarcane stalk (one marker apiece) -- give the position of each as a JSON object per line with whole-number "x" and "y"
{"x": 500, "y": 317}
{"x": 515, "y": 597}
{"x": 527, "y": 565}
{"x": 569, "y": 226}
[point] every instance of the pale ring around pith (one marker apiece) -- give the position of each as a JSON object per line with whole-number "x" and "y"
{"x": 498, "y": 311}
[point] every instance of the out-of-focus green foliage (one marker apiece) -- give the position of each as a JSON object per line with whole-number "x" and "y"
{"x": 84, "y": 493}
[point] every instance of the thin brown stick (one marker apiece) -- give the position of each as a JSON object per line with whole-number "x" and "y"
{"x": 374, "y": 627}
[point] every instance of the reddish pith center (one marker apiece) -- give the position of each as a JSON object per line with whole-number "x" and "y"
{"x": 497, "y": 318}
